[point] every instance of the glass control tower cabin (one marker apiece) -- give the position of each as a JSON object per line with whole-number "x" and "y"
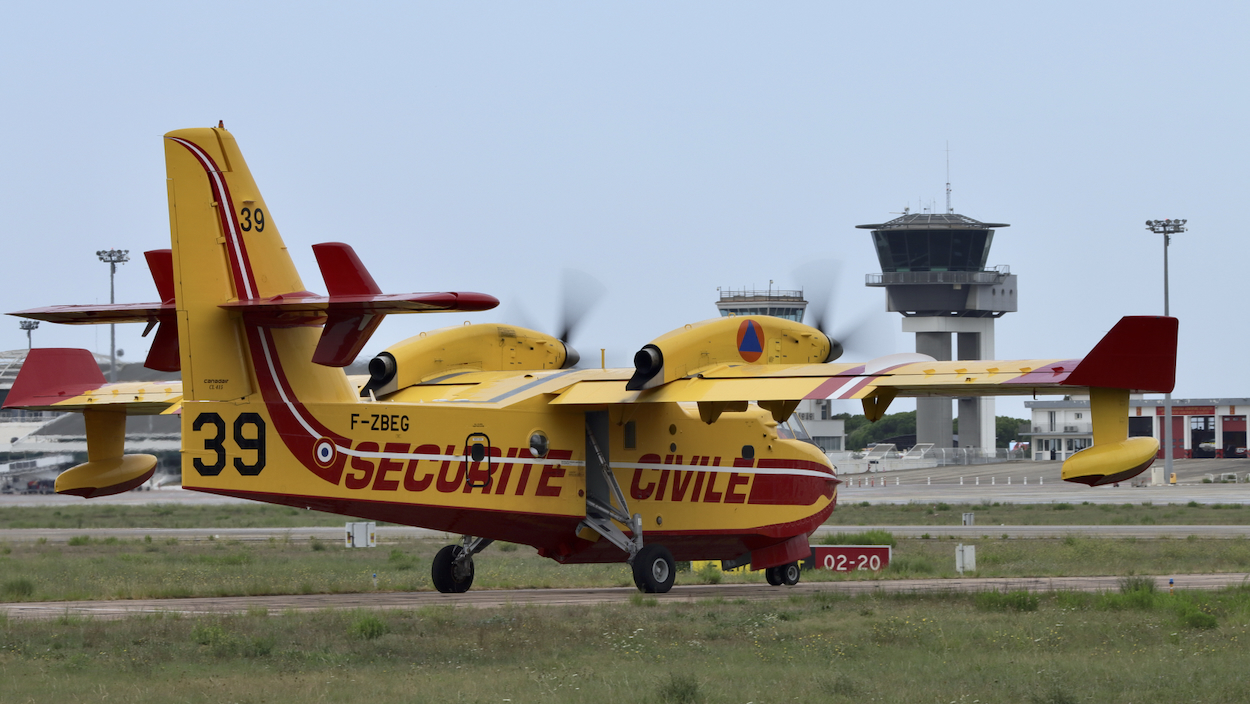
{"x": 934, "y": 272}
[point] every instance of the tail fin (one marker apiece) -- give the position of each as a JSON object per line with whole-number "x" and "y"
{"x": 226, "y": 247}
{"x": 245, "y": 321}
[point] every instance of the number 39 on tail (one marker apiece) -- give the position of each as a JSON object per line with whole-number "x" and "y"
{"x": 489, "y": 430}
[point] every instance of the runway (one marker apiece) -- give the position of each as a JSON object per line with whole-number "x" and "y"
{"x": 484, "y": 599}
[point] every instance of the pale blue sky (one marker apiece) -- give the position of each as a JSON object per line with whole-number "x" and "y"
{"x": 666, "y": 148}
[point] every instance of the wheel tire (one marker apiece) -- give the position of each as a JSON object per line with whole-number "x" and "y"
{"x": 654, "y": 570}
{"x": 773, "y": 575}
{"x": 789, "y": 574}
{"x": 442, "y": 571}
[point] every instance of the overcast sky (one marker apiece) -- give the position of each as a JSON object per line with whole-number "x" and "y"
{"x": 665, "y": 148}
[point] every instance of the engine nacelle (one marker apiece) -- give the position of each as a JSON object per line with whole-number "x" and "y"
{"x": 753, "y": 339}
{"x": 482, "y": 347}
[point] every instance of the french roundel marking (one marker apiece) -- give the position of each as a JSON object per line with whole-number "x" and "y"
{"x": 750, "y": 340}
{"x": 324, "y": 452}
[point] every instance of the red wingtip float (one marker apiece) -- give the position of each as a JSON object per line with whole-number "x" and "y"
{"x": 486, "y": 430}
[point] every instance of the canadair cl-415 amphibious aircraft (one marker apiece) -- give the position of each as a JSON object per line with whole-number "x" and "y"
{"x": 488, "y": 430}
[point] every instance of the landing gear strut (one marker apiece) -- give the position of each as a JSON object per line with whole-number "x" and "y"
{"x": 606, "y": 511}
{"x": 452, "y": 570}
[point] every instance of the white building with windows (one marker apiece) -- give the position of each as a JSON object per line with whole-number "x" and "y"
{"x": 1203, "y": 427}
{"x": 827, "y": 432}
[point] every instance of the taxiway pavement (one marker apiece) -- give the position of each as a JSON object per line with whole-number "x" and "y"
{"x": 106, "y": 610}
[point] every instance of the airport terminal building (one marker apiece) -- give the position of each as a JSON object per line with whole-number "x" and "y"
{"x": 1201, "y": 427}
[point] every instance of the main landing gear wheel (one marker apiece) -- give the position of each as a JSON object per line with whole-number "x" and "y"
{"x": 654, "y": 569}
{"x": 773, "y": 575}
{"x": 785, "y": 574}
{"x": 447, "y": 578}
{"x": 790, "y": 574}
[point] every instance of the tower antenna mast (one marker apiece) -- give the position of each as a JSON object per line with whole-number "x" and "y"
{"x": 949, "y": 209}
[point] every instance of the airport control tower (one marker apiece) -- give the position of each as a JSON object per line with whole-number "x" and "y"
{"x": 778, "y": 302}
{"x": 933, "y": 270}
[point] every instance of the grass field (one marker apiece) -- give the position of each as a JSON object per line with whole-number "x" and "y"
{"x": 1008, "y": 514}
{"x": 247, "y": 515}
{"x": 251, "y": 515}
{"x": 1135, "y": 645}
{"x": 87, "y": 568}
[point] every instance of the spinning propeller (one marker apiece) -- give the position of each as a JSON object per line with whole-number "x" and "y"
{"x": 579, "y": 293}
{"x": 820, "y": 280}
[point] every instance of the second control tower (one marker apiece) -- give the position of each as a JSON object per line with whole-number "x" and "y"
{"x": 933, "y": 270}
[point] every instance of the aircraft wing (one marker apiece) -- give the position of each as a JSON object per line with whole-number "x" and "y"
{"x": 350, "y": 313}
{"x": 1135, "y": 355}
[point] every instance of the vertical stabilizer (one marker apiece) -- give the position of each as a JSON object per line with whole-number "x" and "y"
{"x": 226, "y": 247}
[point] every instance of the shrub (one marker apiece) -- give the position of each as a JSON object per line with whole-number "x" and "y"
{"x": 219, "y": 641}
{"x": 709, "y": 574}
{"x": 258, "y": 646}
{"x": 1055, "y": 695}
{"x": 1063, "y": 506}
{"x": 1137, "y": 583}
{"x": 317, "y": 545}
{"x": 942, "y": 507}
{"x": 868, "y": 537}
{"x": 1193, "y": 504}
{"x": 1068, "y": 599}
{"x": 681, "y": 689}
{"x": 19, "y": 588}
{"x": 1136, "y": 592}
{"x": 78, "y": 540}
{"x": 1017, "y": 600}
{"x": 369, "y": 627}
{"x": 1193, "y": 617}
{"x": 507, "y": 547}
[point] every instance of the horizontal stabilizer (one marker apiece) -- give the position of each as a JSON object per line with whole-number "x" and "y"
{"x": 98, "y": 314}
{"x": 295, "y": 309}
{"x": 54, "y": 374}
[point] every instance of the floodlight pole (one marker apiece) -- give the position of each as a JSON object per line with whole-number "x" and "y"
{"x": 113, "y": 257}
{"x": 28, "y": 326}
{"x": 1167, "y": 228}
